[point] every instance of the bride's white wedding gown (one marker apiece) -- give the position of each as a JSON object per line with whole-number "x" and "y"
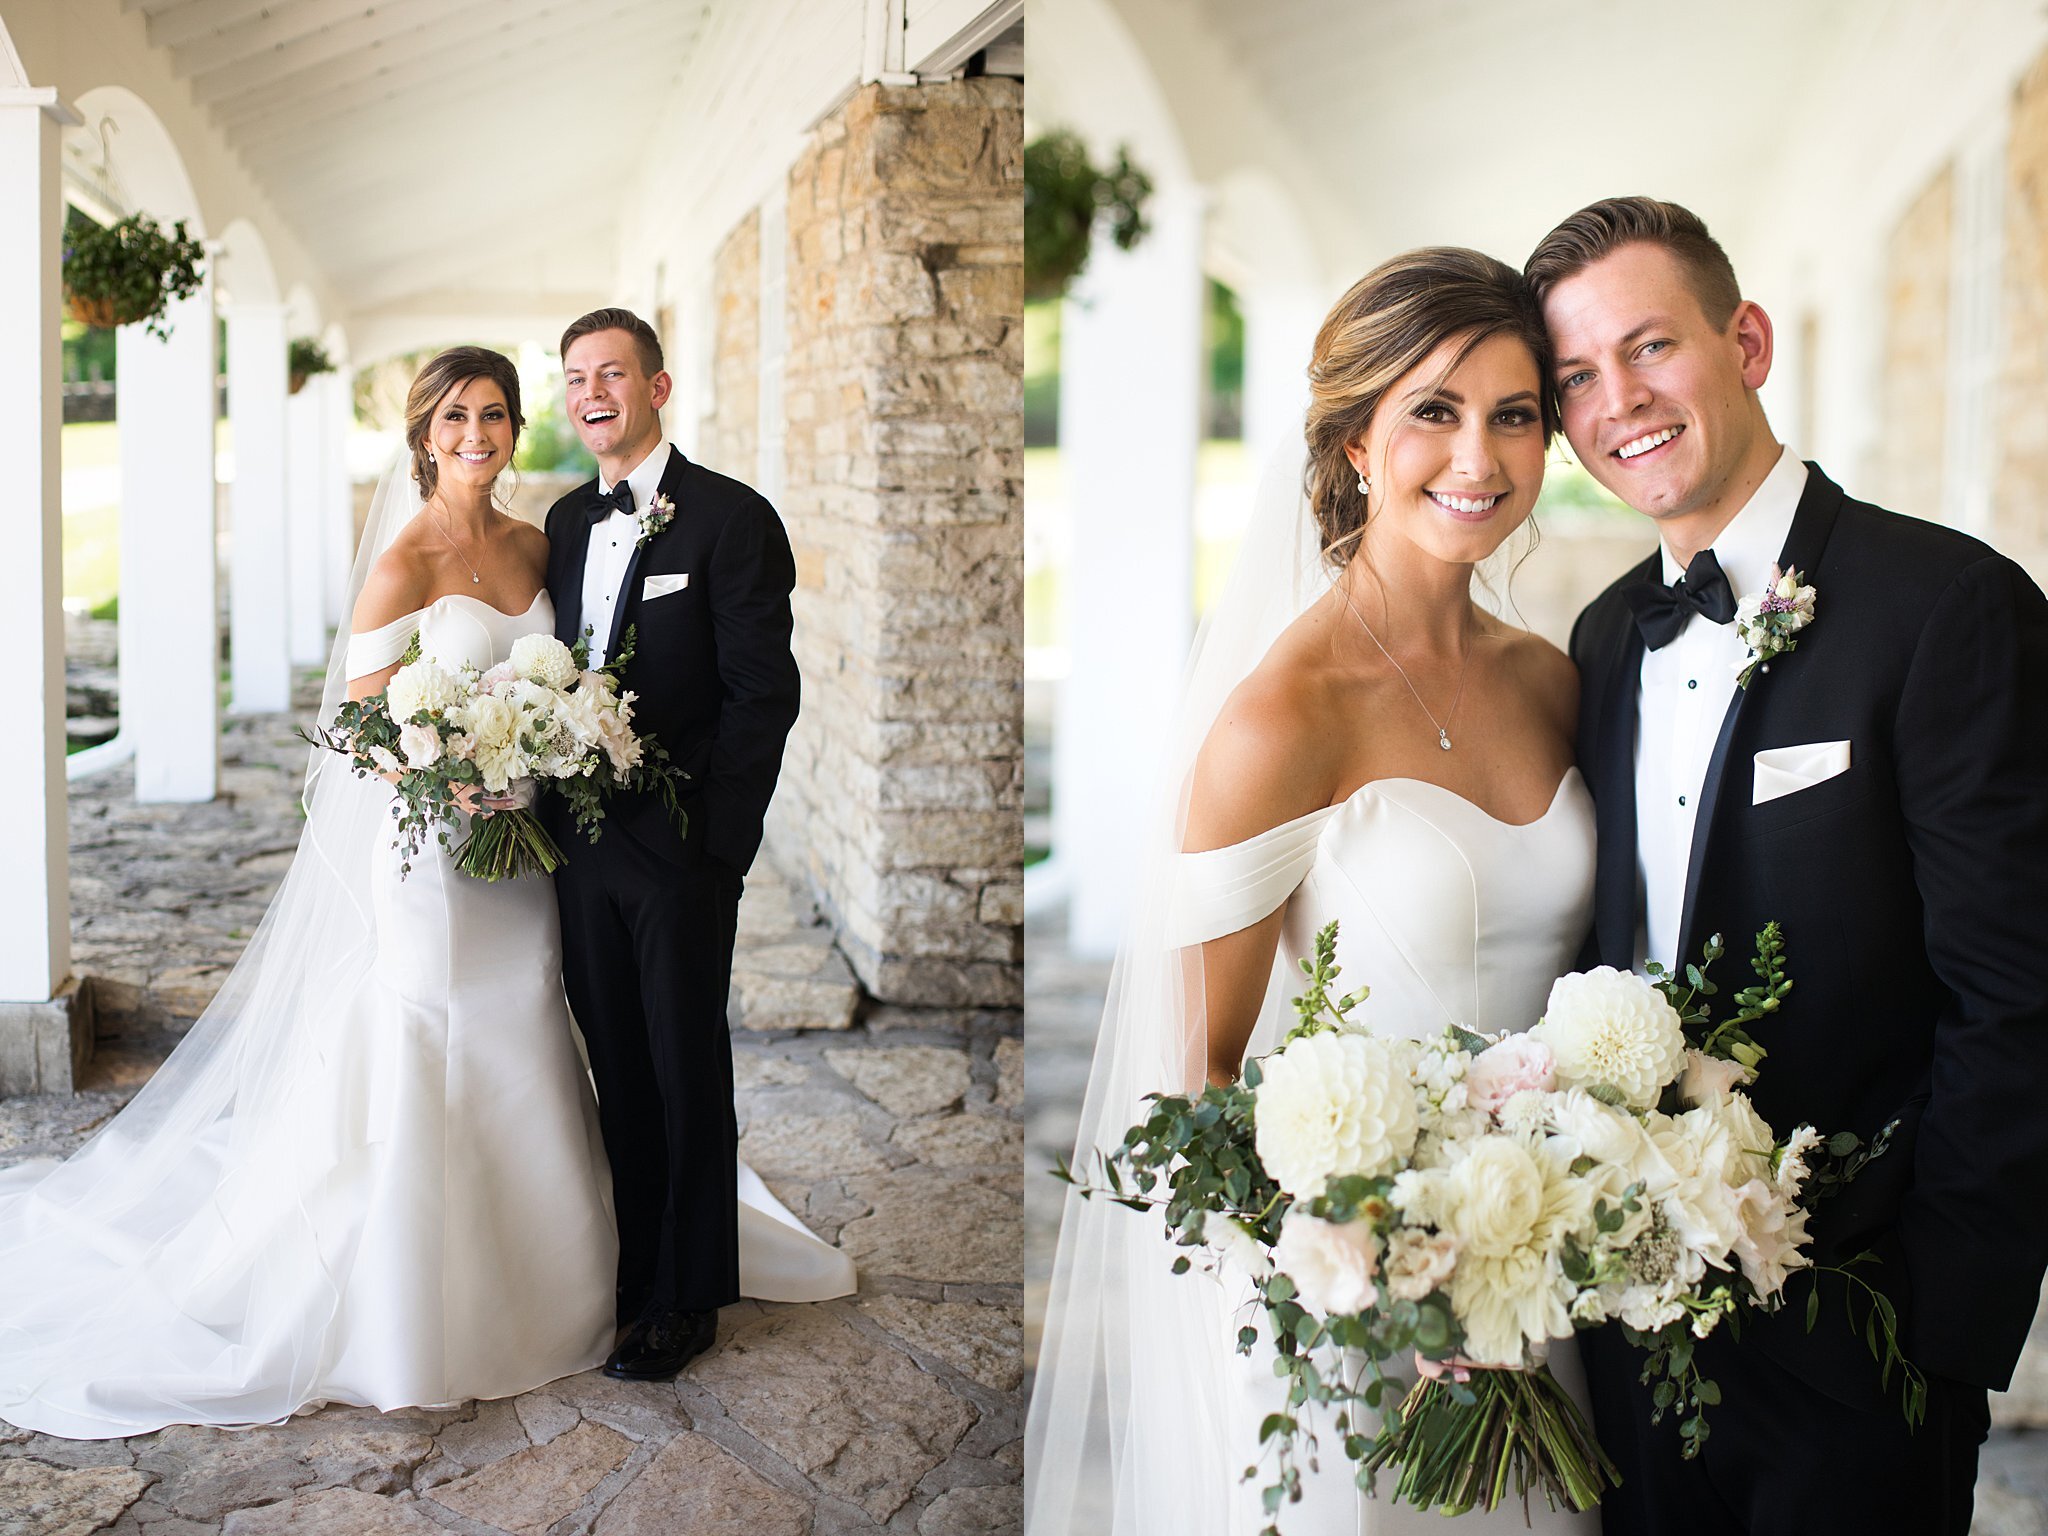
{"x": 1449, "y": 916}
{"x": 420, "y": 1214}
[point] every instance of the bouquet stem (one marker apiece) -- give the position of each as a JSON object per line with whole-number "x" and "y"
{"x": 1522, "y": 1432}
{"x": 505, "y": 845}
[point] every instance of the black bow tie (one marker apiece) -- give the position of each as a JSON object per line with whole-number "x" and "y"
{"x": 1661, "y": 611}
{"x": 618, "y": 499}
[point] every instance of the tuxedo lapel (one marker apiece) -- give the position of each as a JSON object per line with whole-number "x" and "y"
{"x": 1804, "y": 546}
{"x": 1614, "y": 907}
{"x": 671, "y": 486}
{"x": 569, "y": 601}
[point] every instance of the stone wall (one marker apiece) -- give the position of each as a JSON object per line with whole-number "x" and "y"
{"x": 1910, "y": 454}
{"x": 2020, "y": 497}
{"x": 729, "y": 434}
{"x": 902, "y": 789}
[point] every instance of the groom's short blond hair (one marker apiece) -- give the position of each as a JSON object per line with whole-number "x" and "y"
{"x": 644, "y": 339}
{"x": 1606, "y": 226}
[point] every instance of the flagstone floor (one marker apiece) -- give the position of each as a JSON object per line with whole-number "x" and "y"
{"x": 894, "y": 1132}
{"x": 1063, "y": 997}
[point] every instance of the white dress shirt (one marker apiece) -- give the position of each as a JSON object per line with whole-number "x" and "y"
{"x": 611, "y": 550}
{"x": 1682, "y": 697}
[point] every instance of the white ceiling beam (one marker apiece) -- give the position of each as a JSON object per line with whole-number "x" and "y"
{"x": 192, "y": 19}
{"x": 315, "y": 93}
{"x": 429, "y": 206}
{"x": 530, "y": 76}
{"x": 271, "y": 28}
{"x": 395, "y": 27}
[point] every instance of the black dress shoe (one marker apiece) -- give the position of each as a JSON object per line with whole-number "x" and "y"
{"x": 661, "y": 1344}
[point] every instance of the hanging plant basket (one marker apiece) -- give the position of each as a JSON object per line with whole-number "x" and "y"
{"x": 119, "y": 274}
{"x": 305, "y": 358}
{"x": 1063, "y": 192}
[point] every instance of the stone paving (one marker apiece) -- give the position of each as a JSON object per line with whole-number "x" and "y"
{"x": 894, "y": 1132}
{"x": 1063, "y": 997}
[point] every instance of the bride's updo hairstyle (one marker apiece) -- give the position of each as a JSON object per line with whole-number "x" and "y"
{"x": 446, "y": 371}
{"x": 1386, "y": 326}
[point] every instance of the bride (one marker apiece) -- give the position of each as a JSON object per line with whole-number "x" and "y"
{"x": 1360, "y": 740}
{"x": 372, "y": 1172}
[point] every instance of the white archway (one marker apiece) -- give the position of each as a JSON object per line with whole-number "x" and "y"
{"x": 169, "y": 627}
{"x": 305, "y": 443}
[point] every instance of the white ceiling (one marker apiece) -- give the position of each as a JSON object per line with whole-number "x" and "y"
{"x": 1482, "y": 122}
{"x": 430, "y": 152}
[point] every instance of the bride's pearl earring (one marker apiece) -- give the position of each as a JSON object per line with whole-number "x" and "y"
{"x": 1364, "y": 485}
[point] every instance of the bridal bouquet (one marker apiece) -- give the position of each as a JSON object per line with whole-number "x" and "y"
{"x": 1465, "y": 1200}
{"x": 541, "y": 718}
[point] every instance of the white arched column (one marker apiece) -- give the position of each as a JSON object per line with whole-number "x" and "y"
{"x": 338, "y": 523}
{"x": 35, "y": 898}
{"x": 1130, "y": 425}
{"x": 260, "y": 677}
{"x": 307, "y": 608}
{"x": 170, "y": 617}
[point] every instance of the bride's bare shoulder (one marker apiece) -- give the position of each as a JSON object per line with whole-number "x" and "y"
{"x": 1271, "y": 754}
{"x": 1548, "y": 675}
{"x": 396, "y": 585}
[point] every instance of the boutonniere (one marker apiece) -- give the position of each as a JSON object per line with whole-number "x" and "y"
{"x": 1769, "y": 621}
{"x": 654, "y": 517}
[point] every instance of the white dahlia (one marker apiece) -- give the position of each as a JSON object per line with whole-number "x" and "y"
{"x": 545, "y": 660}
{"x": 1610, "y": 1028}
{"x": 423, "y": 685}
{"x": 1511, "y": 1204}
{"x": 1332, "y": 1105}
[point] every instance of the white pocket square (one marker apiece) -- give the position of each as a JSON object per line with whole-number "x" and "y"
{"x": 1782, "y": 771}
{"x": 661, "y": 586}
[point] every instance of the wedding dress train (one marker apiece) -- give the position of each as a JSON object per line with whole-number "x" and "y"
{"x": 1449, "y": 916}
{"x": 375, "y": 1174}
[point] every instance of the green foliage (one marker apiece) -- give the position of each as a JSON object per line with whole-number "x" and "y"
{"x": 305, "y": 357}
{"x": 1880, "y": 1330}
{"x": 1728, "y": 1040}
{"x": 120, "y": 273}
{"x": 1063, "y": 192}
{"x": 549, "y": 445}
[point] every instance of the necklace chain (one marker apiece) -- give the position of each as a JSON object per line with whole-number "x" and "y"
{"x": 475, "y": 579}
{"x": 1443, "y": 727}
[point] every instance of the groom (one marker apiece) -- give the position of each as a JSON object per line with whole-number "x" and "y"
{"x": 1882, "y": 792}
{"x": 699, "y": 568}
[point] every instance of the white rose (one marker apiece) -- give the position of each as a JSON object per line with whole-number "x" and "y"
{"x": 382, "y": 757}
{"x": 1696, "y": 1195}
{"x": 423, "y": 685}
{"x": 1608, "y": 1135}
{"x": 1331, "y": 1263}
{"x": 1331, "y": 1105}
{"x": 421, "y": 745}
{"x": 545, "y": 660}
{"x": 1710, "y": 1077}
{"x": 1419, "y": 1262}
{"x": 1751, "y": 1141}
{"x": 1610, "y": 1028}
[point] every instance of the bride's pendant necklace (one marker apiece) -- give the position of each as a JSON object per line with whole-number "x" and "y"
{"x": 1443, "y": 727}
{"x": 476, "y": 580}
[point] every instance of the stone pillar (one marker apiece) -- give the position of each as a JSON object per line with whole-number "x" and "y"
{"x": 260, "y": 662}
{"x": 1130, "y": 424}
{"x": 170, "y": 622}
{"x": 35, "y": 898}
{"x": 306, "y": 611}
{"x": 903, "y": 403}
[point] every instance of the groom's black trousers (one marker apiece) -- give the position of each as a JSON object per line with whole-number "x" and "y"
{"x": 647, "y": 960}
{"x": 1783, "y": 1458}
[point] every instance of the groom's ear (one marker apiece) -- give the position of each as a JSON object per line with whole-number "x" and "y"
{"x": 1753, "y": 337}
{"x": 661, "y": 384}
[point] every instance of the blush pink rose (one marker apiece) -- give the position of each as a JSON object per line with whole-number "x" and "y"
{"x": 1517, "y": 1064}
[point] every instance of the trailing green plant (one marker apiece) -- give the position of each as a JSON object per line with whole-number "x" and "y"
{"x": 304, "y": 358}
{"x": 118, "y": 274}
{"x": 1063, "y": 192}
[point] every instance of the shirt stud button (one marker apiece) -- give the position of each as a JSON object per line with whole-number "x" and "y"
{"x": 1692, "y": 682}
{"x": 1681, "y": 799}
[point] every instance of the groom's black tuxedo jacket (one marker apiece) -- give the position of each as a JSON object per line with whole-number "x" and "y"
{"x": 712, "y": 666}
{"x": 1913, "y": 893}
